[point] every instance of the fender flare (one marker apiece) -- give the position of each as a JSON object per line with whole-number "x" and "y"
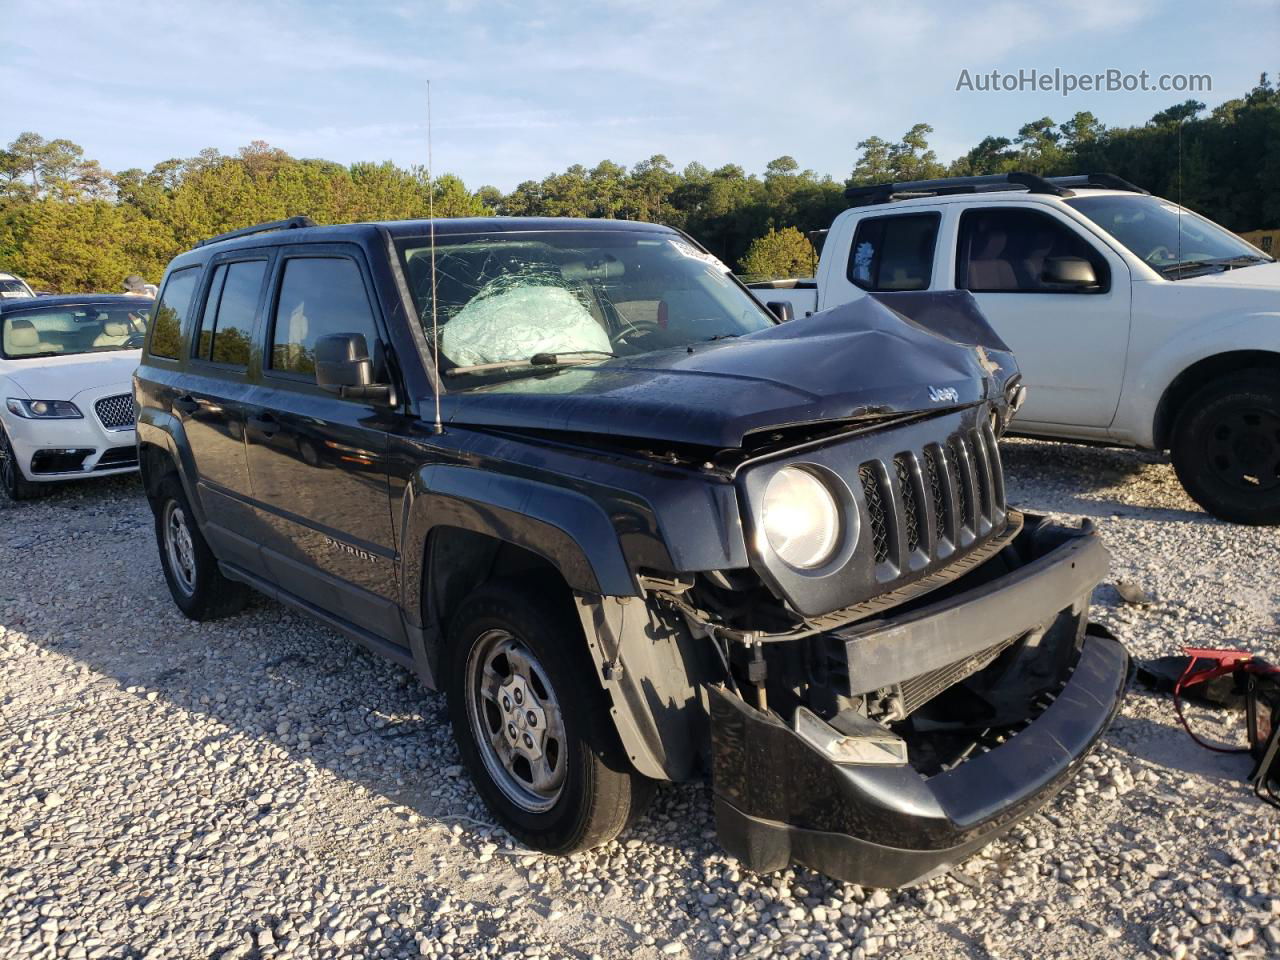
{"x": 165, "y": 432}
{"x": 566, "y": 528}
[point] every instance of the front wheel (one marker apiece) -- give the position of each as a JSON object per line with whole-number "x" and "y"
{"x": 1226, "y": 448}
{"x": 16, "y": 486}
{"x": 531, "y": 723}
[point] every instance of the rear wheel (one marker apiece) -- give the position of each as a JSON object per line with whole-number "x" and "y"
{"x": 1226, "y": 447}
{"x": 16, "y": 486}
{"x": 531, "y": 722}
{"x": 190, "y": 568}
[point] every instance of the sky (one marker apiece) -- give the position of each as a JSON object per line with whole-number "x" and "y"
{"x": 520, "y": 90}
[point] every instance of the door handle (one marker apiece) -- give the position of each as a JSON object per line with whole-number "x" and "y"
{"x": 266, "y": 425}
{"x": 187, "y": 404}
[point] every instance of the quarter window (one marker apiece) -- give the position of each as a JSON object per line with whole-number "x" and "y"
{"x": 1005, "y": 250}
{"x": 226, "y": 329}
{"x": 171, "y": 312}
{"x": 894, "y": 253}
{"x": 318, "y": 296}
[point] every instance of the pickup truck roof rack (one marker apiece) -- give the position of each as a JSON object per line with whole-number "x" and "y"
{"x": 1107, "y": 181}
{"x": 886, "y": 192}
{"x": 291, "y": 223}
{"x": 1032, "y": 183}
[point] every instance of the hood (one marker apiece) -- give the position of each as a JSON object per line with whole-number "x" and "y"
{"x": 1264, "y": 276}
{"x": 856, "y": 360}
{"x": 61, "y": 378}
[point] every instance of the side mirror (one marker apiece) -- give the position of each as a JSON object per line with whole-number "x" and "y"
{"x": 782, "y": 309}
{"x": 1073, "y": 272}
{"x": 343, "y": 365}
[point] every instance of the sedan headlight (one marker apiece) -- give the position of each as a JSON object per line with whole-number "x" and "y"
{"x": 801, "y": 518}
{"x": 43, "y": 409}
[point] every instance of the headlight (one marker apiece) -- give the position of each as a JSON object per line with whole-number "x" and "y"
{"x": 801, "y": 518}
{"x": 43, "y": 409}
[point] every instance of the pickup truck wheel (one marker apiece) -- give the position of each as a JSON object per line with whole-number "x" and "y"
{"x": 1226, "y": 448}
{"x": 16, "y": 486}
{"x": 531, "y": 723}
{"x": 190, "y": 568}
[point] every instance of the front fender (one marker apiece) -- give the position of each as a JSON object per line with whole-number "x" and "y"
{"x": 566, "y": 528}
{"x": 1152, "y": 371}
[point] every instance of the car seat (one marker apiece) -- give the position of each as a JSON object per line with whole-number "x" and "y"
{"x": 22, "y": 339}
{"x": 987, "y": 268}
{"x": 114, "y": 334}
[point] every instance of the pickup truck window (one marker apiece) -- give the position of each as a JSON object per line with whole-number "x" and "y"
{"x": 318, "y": 296}
{"x": 226, "y": 327}
{"x": 1174, "y": 242}
{"x": 171, "y": 312}
{"x": 1004, "y": 250}
{"x": 505, "y": 298}
{"x": 894, "y": 253}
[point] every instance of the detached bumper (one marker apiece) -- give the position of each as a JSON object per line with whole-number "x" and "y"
{"x": 779, "y": 799}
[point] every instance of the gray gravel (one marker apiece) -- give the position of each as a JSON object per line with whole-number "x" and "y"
{"x": 259, "y": 788}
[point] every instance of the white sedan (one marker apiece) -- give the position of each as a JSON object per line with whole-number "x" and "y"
{"x": 66, "y": 396}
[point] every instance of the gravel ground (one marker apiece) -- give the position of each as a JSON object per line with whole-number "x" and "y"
{"x": 259, "y": 788}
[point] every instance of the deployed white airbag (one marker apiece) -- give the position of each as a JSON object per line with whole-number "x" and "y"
{"x": 518, "y": 322}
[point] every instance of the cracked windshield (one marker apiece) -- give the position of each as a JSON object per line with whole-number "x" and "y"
{"x": 509, "y": 302}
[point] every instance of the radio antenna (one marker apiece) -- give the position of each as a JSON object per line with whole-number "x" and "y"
{"x": 1178, "y": 264}
{"x": 431, "y": 221}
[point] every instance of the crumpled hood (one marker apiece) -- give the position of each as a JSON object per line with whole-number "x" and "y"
{"x": 854, "y": 360}
{"x": 61, "y": 378}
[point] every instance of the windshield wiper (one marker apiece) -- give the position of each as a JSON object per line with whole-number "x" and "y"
{"x": 563, "y": 358}
{"x": 1226, "y": 263}
{"x": 722, "y": 336}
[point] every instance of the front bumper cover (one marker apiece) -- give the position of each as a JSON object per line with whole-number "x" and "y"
{"x": 778, "y": 799}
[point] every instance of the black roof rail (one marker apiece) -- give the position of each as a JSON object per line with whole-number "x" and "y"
{"x": 885, "y": 192}
{"x": 1108, "y": 181}
{"x": 291, "y": 223}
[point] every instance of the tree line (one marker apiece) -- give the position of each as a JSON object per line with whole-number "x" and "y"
{"x": 66, "y": 224}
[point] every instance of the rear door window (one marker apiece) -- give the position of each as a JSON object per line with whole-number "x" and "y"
{"x": 318, "y": 296}
{"x": 1004, "y": 250}
{"x": 895, "y": 252}
{"x": 171, "y": 313}
{"x": 226, "y": 328}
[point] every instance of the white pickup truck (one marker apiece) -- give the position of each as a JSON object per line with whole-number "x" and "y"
{"x": 1136, "y": 322}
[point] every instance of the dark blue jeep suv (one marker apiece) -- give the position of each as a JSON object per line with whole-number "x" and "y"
{"x": 636, "y": 527}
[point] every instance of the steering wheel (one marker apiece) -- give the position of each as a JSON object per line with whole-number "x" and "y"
{"x": 642, "y": 327}
{"x": 136, "y": 340}
{"x": 1160, "y": 253}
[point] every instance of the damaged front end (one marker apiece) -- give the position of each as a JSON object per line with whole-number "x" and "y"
{"x": 892, "y": 749}
{"x": 886, "y": 710}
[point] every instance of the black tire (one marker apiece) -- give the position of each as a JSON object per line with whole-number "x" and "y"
{"x": 599, "y": 794}
{"x": 16, "y": 486}
{"x": 197, "y": 585}
{"x": 1226, "y": 447}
